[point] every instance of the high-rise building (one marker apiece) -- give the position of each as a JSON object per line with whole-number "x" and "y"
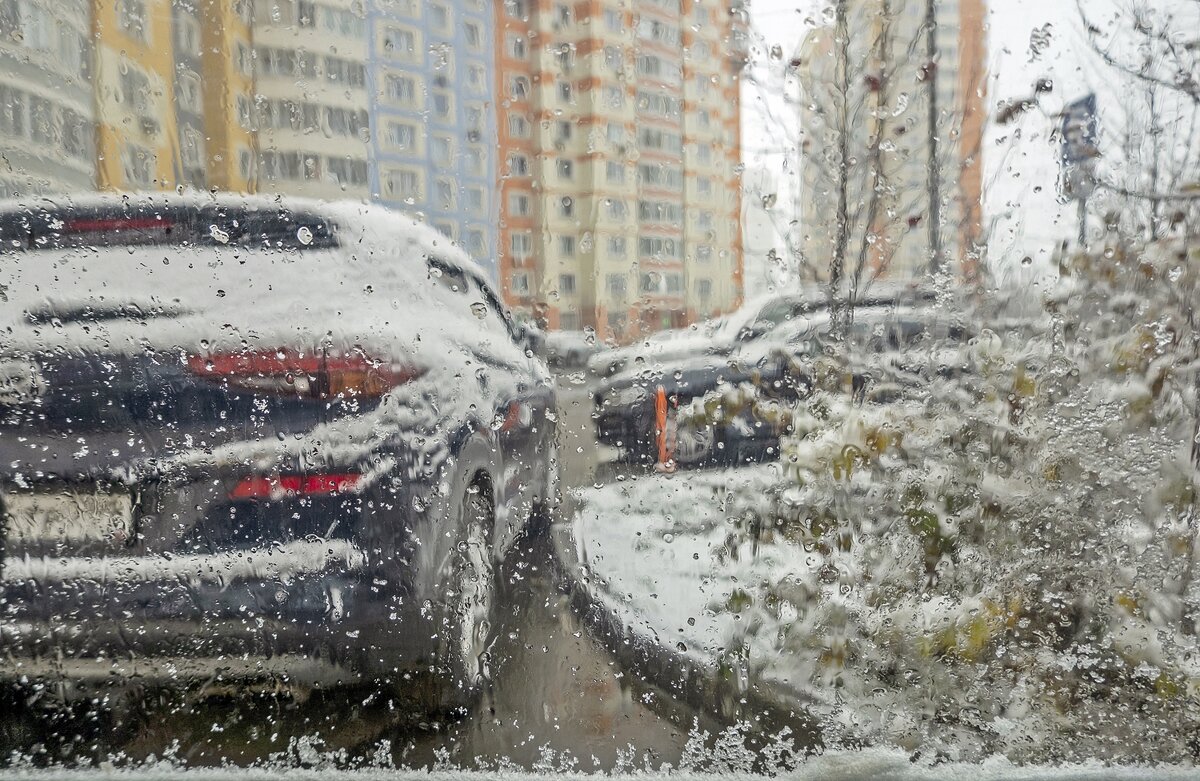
{"x": 47, "y": 115}
{"x": 880, "y": 79}
{"x": 620, "y": 149}
{"x": 134, "y": 92}
{"x": 310, "y": 81}
{"x": 433, "y": 115}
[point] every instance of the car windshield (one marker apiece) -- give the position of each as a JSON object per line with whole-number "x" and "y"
{"x": 658, "y": 388}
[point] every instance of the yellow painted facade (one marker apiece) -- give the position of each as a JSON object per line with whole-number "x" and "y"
{"x": 136, "y": 146}
{"x": 227, "y": 43}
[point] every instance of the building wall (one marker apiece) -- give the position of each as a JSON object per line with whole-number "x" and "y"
{"x": 433, "y": 117}
{"x": 134, "y": 81}
{"x": 227, "y": 68}
{"x": 47, "y": 112}
{"x": 633, "y": 139}
{"x": 310, "y": 77}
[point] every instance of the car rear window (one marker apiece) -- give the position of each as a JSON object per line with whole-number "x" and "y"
{"x": 142, "y": 225}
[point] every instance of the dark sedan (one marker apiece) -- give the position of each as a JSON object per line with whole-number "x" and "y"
{"x": 746, "y": 387}
{"x": 257, "y": 439}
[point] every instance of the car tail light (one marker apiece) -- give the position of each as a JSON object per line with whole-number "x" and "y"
{"x": 307, "y": 375}
{"x": 287, "y": 486}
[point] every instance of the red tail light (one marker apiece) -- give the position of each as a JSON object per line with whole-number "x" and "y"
{"x": 307, "y": 375}
{"x": 286, "y": 486}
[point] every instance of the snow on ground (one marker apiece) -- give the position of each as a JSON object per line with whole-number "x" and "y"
{"x": 858, "y": 765}
{"x": 665, "y": 556}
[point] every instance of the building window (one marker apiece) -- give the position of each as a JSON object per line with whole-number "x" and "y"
{"x": 612, "y": 58}
{"x": 443, "y": 105}
{"x": 564, "y": 91}
{"x": 614, "y": 172}
{"x": 704, "y": 253}
{"x": 473, "y": 35}
{"x": 521, "y": 244}
{"x": 705, "y": 220}
{"x": 444, "y": 228}
{"x": 187, "y": 35}
{"x": 566, "y": 206}
{"x": 401, "y": 135}
{"x": 566, "y": 246}
{"x": 442, "y": 150}
{"x": 477, "y": 78}
{"x": 615, "y": 285}
{"x": 439, "y": 15}
{"x": 704, "y": 289}
{"x": 566, "y": 169}
{"x": 563, "y": 16}
{"x": 674, "y": 283}
{"x": 651, "y": 282}
{"x": 475, "y": 199}
{"x": 616, "y": 209}
{"x": 131, "y": 16}
{"x": 347, "y": 171}
{"x": 518, "y": 9}
{"x": 704, "y": 186}
{"x": 518, "y": 126}
{"x": 617, "y": 246}
{"x": 402, "y": 184}
{"x": 190, "y": 97}
{"x": 401, "y": 89}
{"x": 137, "y": 163}
{"x": 476, "y": 244}
{"x": 192, "y": 149}
{"x": 400, "y": 43}
{"x": 520, "y": 283}
{"x": 566, "y": 283}
{"x": 612, "y": 20}
{"x": 444, "y": 193}
{"x": 515, "y": 46}
{"x": 518, "y": 204}
{"x": 614, "y": 97}
{"x": 475, "y": 157}
{"x": 245, "y": 164}
{"x": 518, "y": 165}
{"x": 518, "y": 87}
{"x": 563, "y": 130}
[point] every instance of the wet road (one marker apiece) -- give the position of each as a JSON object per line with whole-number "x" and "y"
{"x": 557, "y": 696}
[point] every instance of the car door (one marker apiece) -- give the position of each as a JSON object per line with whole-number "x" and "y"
{"x": 523, "y": 421}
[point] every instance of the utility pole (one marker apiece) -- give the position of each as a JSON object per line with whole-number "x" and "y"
{"x": 935, "y": 172}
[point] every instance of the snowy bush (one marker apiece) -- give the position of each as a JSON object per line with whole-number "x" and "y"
{"x": 1003, "y": 561}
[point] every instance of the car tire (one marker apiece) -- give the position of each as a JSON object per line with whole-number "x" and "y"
{"x": 466, "y": 615}
{"x": 695, "y": 444}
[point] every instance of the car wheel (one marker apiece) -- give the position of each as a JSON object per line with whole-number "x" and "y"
{"x": 468, "y": 609}
{"x": 695, "y": 443}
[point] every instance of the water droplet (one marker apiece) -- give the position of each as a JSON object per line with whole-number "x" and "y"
{"x": 304, "y": 235}
{"x": 218, "y": 235}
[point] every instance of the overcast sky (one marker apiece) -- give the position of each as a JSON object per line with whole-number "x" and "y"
{"x": 1022, "y": 194}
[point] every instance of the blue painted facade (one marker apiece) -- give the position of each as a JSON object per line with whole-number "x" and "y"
{"x": 447, "y": 61}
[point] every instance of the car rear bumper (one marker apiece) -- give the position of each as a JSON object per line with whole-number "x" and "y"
{"x": 309, "y": 615}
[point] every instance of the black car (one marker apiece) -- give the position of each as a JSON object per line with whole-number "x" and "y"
{"x": 244, "y": 438}
{"x": 775, "y": 368}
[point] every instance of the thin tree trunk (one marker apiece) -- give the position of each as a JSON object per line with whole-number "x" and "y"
{"x": 837, "y": 263}
{"x": 935, "y": 173}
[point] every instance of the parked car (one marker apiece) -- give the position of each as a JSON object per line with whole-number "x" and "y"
{"x": 779, "y": 366}
{"x": 244, "y": 438}
{"x": 724, "y": 335}
{"x": 571, "y": 350}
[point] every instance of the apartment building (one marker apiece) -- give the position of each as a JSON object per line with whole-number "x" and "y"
{"x": 433, "y": 116}
{"x": 47, "y": 117}
{"x": 619, "y": 153}
{"x": 310, "y": 97}
{"x": 888, "y": 72}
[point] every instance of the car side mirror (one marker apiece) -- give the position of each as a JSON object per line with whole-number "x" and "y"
{"x": 532, "y": 338}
